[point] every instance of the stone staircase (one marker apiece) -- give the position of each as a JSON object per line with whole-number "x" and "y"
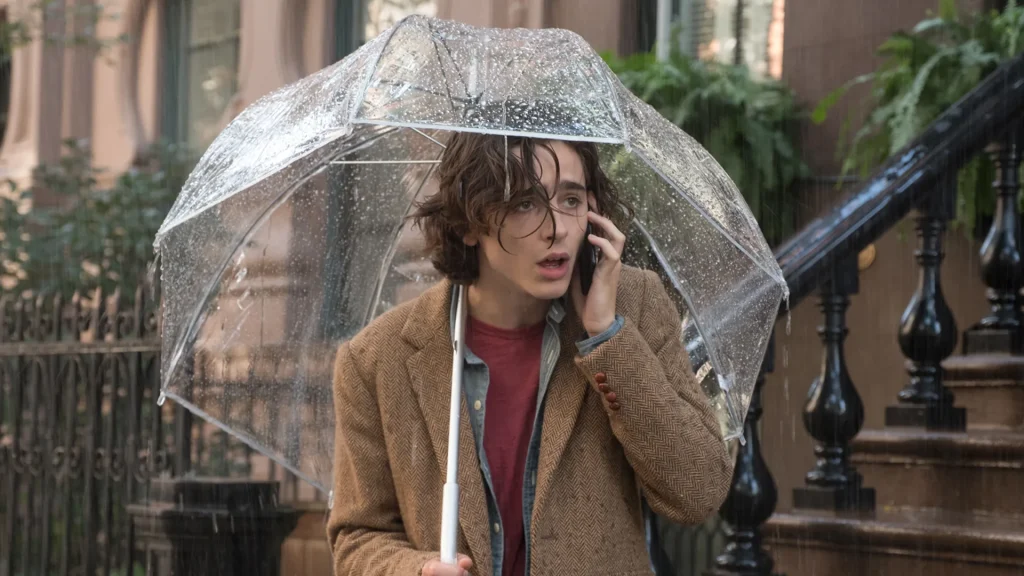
{"x": 947, "y": 503}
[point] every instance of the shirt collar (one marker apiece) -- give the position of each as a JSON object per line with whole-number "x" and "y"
{"x": 556, "y": 313}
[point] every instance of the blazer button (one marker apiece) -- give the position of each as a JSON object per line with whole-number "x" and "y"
{"x": 604, "y": 388}
{"x": 600, "y": 378}
{"x": 614, "y": 406}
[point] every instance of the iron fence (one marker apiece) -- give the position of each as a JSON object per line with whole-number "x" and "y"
{"x": 82, "y": 434}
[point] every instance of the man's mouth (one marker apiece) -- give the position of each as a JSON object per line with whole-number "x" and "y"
{"x": 554, "y": 262}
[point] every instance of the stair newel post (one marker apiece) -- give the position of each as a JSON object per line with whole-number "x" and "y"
{"x": 928, "y": 333}
{"x": 1000, "y": 331}
{"x": 834, "y": 412}
{"x": 752, "y": 496}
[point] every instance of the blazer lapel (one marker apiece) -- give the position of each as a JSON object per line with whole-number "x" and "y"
{"x": 430, "y": 372}
{"x": 565, "y": 394}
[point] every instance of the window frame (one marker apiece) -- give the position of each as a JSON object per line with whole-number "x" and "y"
{"x": 348, "y": 24}
{"x": 177, "y": 51}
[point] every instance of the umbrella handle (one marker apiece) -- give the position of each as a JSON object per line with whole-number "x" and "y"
{"x": 450, "y": 502}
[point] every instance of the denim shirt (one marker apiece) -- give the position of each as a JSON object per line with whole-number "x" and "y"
{"x": 475, "y": 380}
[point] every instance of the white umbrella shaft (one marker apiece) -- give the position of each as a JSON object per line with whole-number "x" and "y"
{"x": 450, "y": 503}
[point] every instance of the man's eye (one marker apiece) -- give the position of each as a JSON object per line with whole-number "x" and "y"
{"x": 525, "y": 205}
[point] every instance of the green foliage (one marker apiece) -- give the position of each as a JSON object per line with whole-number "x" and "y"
{"x": 922, "y": 73}
{"x": 748, "y": 125}
{"x": 79, "y": 235}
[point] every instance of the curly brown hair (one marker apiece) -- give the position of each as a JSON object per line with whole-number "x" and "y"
{"x": 471, "y": 180}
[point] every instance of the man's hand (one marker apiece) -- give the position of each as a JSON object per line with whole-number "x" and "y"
{"x": 438, "y": 568}
{"x": 597, "y": 309}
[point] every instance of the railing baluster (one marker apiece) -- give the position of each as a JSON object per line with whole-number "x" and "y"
{"x": 928, "y": 332}
{"x": 72, "y": 455}
{"x": 752, "y": 496}
{"x": 834, "y": 412}
{"x": 108, "y": 386}
{"x": 52, "y": 393}
{"x": 13, "y": 492}
{"x": 6, "y": 455}
{"x": 93, "y": 428}
{"x": 131, "y": 441}
{"x": 28, "y": 376}
{"x": 183, "y": 430}
{"x": 1001, "y": 270}
{"x": 158, "y": 457}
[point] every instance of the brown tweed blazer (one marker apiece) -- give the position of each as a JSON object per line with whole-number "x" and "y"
{"x": 391, "y": 393}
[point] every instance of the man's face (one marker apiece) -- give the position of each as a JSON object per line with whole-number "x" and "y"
{"x": 539, "y": 258}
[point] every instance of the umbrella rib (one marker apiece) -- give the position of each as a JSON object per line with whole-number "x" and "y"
{"x": 616, "y": 105}
{"x": 432, "y": 139}
{"x": 713, "y": 221}
{"x": 245, "y": 438}
{"x": 662, "y": 260}
{"x": 385, "y": 162}
{"x": 165, "y": 228}
{"x": 677, "y": 284}
{"x": 191, "y": 327}
{"x": 390, "y": 256}
{"x": 493, "y": 131}
{"x": 440, "y": 66}
{"x": 369, "y": 77}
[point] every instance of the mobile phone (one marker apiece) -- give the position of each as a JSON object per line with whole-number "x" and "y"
{"x": 587, "y": 259}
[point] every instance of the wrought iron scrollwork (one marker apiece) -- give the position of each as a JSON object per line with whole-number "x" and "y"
{"x": 34, "y": 460}
{"x": 78, "y": 383}
{"x": 100, "y": 464}
{"x": 75, "y": 462}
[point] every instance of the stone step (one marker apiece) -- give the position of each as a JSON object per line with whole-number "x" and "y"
{"x": 974, "y": 471}
{"x": 990, "y": 387}
{"x": 899, "y": 542}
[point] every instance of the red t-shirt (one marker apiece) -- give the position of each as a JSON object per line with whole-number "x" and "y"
{"x": 513, "y": 362}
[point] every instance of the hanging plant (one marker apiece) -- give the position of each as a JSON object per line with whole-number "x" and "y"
{"x": 924, "y": 72}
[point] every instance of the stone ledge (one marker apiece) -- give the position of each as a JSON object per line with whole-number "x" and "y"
{"x": 946, "y": 542}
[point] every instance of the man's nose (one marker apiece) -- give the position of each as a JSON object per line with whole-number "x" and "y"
{"x": 561, "y": 229}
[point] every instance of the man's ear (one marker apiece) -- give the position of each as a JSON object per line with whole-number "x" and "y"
{"x": 592, "y": 201}
{"x": 470, "y": 240}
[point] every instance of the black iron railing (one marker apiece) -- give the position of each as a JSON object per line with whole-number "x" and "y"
{"x": 822, "y": 257}
{"x": 82, "y": 435}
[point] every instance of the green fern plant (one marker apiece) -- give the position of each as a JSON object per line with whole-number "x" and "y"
{"x": 748, "y": 125}
{"x": 923, "y": 72}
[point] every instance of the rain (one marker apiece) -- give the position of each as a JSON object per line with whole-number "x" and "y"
{"x": 670, "y": 287}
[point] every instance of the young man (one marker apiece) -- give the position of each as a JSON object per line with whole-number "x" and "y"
{"x": 575, "y": 407}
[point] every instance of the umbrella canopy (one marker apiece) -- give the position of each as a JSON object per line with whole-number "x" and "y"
{"x": 290, "y": 234}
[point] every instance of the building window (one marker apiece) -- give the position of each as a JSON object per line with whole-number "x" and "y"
{"x": 5, "y": 78}
{"x": 747, "y": 32}
{"x": 202, "y": 68}
{"x": 360, "y": 20}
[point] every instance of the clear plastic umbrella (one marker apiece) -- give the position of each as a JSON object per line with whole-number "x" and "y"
{"x": 290, "y": 234}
